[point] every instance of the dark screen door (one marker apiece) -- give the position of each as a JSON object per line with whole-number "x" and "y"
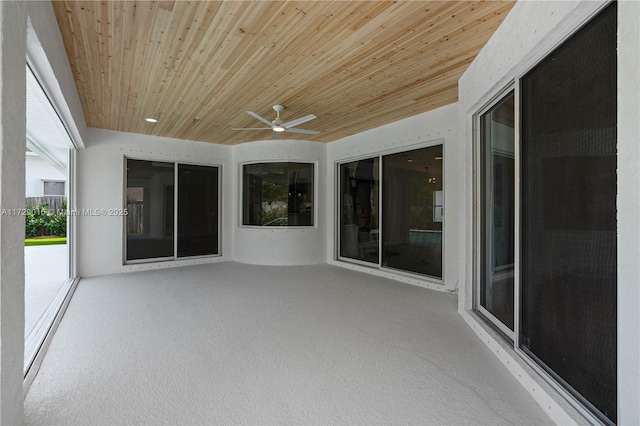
{"x": 197, "y": 210}
{"x": 568, "y": 239}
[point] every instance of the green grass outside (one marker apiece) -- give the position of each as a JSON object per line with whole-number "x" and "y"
{"x": 45, "y": 241}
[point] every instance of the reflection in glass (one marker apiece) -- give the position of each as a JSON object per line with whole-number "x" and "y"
{"x": 412, "y": 211}
{"x": 359, "y": 234}
{"x": 497, "y": 199}
{"x": 277, "y": 194}
{"x": 197, "y": 210}
{"x": 150, "y": 209}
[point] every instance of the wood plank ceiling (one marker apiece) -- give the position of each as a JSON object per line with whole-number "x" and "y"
{"x": 199, "y": 66}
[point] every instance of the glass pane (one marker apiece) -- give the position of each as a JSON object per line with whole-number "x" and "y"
{"x": 497, "y": 200}
{"x": 150, "y": 209}
{"x": 54, "y": 188}
{"x": 412, "y": 211}
{"x": 46, "y": 267}
{"x": 197, "y": 210}
{"x": 569, "y": 255}
{"x": 278, "y": 194}
{"x": 359, "y": 188}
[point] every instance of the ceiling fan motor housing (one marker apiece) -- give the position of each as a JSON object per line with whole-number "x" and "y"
{"x": 278, "y": 121}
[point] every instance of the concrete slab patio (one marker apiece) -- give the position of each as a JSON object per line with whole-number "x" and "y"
{"x": 46, "y": 270}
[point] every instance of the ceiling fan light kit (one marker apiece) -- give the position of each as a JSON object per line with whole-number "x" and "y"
{"x": 278, "y": 126}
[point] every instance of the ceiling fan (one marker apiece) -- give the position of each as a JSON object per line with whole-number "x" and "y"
{"x": 278, "y": 125}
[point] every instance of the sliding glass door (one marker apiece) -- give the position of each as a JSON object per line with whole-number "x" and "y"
{"x": 497, "y": 144}
{"x": 359, "y": 218}
{"x": 391, "y": 211}
{"x": 412, "y": 211}
{"x": 564, "y": 247}
{"x": 149, "y": 209}
{"x": 568, "y": 184}
{"x": 151, "y": 194}
{"x": 197, "y": 210}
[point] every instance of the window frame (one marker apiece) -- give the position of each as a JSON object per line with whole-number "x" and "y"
{"x": 314, "y": 208}
{"x": 478, "y": 217}
{"x": 338, "y": 209}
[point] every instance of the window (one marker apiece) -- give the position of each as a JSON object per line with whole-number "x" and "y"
{"x": 564, "y": 320}
{"x": 278, "y": 194}
{"x": 53, "y": 188}
{"x": 151, "y": 195}
{"x": 407, "y": 188}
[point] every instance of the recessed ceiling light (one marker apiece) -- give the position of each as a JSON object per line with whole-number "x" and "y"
{"x": 150, "y": 120}
{"x": 409, "y": 160}
{"x": 438, "y": 158}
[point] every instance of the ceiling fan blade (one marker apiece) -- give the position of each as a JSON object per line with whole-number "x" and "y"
{"x": 251, "y": 128}
{"x": 306, "y": 132}
{"x": 294, "y": 123}
{"x": 264, "y": 120}
{"x": 276, "y": 135}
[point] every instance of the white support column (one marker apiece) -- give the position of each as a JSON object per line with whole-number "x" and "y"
{"x": 13, "y": 24}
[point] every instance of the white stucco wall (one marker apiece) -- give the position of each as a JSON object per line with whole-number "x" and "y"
{"x": 100, "y": 177}
{"x": 38, "y": 170}
{"x": 25, "y": 28}
{"x": 13, "y": 20}
{"x": 433, "y": 127}
{"x": 101, "y": 163}
{"x": 282, "y": 245}
{"x": 528, "y": 33}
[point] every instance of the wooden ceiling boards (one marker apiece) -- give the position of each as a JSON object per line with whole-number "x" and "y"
{"x": 198, "y": 66}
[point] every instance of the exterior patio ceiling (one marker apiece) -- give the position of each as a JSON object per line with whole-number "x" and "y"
{"x": 199, "y": 66}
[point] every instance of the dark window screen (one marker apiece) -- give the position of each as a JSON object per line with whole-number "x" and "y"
{"x": 359, "y": 218}
{"x": 151, "y": 195}
{"x": 197, "y": 210}
{"x": 568, "y": 238}
{"x": 149, "y": 209}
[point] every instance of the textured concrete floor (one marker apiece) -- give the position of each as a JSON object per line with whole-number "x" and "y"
{"x": 238, "y": 344}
